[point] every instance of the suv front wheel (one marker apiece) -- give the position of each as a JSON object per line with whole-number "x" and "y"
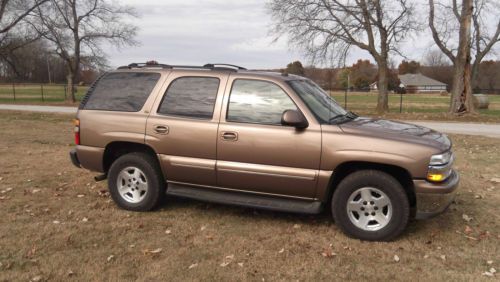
{"x": 135, "y": 182}
{"x": 370, "y": 205}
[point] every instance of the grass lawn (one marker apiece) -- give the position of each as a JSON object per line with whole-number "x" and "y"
{"x": 416, "y": 106}
{"x": 32, "y": 93}
{"x": 58, "y": 224}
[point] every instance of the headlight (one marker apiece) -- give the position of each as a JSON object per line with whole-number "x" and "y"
{"x": 440, "y": 167}
{"x": 441, "y": 159}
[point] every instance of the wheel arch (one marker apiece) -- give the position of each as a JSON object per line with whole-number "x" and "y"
{"x": 402, "y": 175}
{"x": 116, "y": 149}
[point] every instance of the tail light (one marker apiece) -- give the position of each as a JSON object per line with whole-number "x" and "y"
{"x": 77, "y": 131}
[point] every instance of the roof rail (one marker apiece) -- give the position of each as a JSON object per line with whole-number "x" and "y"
{"x": 214, "y": 66}
{"x": 165, "y": 66}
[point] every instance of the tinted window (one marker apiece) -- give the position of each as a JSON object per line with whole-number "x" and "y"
{"x": 190, "y": 97}
{"x": 125, "y": 91}
{"x": 254, "y": 101}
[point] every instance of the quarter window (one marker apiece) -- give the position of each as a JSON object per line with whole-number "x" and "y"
{"x": 190, "y": 97}
{"x": 255, "y": 101}
{"x": 121, "y": 91}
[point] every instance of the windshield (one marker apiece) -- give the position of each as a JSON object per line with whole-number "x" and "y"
{"x": 324, "y": 107}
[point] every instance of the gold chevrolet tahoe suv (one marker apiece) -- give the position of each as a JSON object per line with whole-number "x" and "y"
{"x": 224, "y": 134}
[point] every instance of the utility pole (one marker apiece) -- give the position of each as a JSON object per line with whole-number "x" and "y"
{"x": 48, "y": 68}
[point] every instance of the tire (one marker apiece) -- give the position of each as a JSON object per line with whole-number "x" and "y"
{"x": 376, "y": 194}
{"x": 135, "y": 182}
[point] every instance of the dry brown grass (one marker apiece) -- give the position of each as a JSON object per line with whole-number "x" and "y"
{"x": 57, "y": 224}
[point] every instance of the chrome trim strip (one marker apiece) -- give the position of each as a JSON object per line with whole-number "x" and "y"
{"x": 189, "y": 162}
{"x": 269, "y": 170}
{"x": 241, "y": 191}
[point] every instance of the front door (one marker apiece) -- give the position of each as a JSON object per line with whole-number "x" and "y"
{"x": 255, "y": 152}
{"x": 182, "y": 127}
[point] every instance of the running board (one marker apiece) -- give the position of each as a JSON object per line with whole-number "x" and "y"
{"x": 244, "y": 199}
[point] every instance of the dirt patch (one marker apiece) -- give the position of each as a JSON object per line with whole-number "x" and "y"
{"x": 58, "y": 224}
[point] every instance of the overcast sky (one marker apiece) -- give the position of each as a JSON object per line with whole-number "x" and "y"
{"x": 196, "y": 32}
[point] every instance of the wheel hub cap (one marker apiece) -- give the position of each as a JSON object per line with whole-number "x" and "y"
{"x": 369, "y": 209}
{"x": 132, "y": 184}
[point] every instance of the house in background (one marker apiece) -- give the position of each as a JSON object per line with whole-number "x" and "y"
{"x": 417, "y": 83}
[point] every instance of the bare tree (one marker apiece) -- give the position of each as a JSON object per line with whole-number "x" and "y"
{"x": 468, "y": 18}
{"x": 483, "y": 38}
{"x": 77, "y": 28}
{"x": 435, "y": 58}
{"x": 327, "y": 29}
{"x": 14, "y": 11}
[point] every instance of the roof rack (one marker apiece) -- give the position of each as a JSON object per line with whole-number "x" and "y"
{"x": 165, "y": 66}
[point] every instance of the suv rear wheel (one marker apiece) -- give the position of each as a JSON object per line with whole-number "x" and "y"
{"x": 135, "y": 182}
{"x": 370, "y": 205}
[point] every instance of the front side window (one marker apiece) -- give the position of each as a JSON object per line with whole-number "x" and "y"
{"x": 121, "y": 91}
{"x": 255, "y": 101}
{"x": 323, "y": 106}
{"x": 191, "y": 97}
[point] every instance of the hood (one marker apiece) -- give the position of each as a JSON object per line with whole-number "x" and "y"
{"x": 406, "y": 132}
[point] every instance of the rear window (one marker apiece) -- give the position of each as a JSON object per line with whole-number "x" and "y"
{"x": 121, "y": 91}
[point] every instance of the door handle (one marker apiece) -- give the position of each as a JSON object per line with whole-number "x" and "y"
{"x": 161, "y": 129}
{"x": 229, "y": 136}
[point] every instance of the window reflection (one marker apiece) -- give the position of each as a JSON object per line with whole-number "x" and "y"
{"x": 254, "y": 101}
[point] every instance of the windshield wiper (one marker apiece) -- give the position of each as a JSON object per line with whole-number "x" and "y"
{"x": 338, "y": 119}
{"x": 352, "y": 115}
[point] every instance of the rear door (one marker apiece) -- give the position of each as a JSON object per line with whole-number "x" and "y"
{"x": 255, "y": 153}
{"x": 182, "y": 126}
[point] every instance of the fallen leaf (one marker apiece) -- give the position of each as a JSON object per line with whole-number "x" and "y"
{"x": 492, "y": 270}
{"x": 328, "y": 253}
{"x": 467, "y": 229}
{"x": 152, "y": 252}
{"x": 37, "y": 278}
{"x": 227, "y": 260}
{"x": 168, "y": 231}
{"x": 487, "y": 273}
{"x": 193, "y": 265}
{"x": 240, "y": 264}
{"x": 396, "y": 258}
{"x": 85, "y": 219}
{"x": 490, "y": 262}
{"x": 495, "y": 179}
{"x": 466, "y": 217}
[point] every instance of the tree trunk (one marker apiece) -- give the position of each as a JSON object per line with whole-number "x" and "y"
{"x": 461, "y": 91}
{"x": 70, "y": 87}
{"x": 383, "y": 82}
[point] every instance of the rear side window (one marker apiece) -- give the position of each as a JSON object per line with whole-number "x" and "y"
{"x": 255, "y": 101}
{"x": 190, "y": 97}
{"x": 121, "y": 91}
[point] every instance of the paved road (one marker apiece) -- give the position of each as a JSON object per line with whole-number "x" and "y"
{"x": 490, "y": 130}
{"x": 37, "y": 108}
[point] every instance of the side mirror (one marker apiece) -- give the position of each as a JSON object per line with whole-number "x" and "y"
{"x": 294, "y": 118}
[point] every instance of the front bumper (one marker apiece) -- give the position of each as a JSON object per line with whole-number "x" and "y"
{"x": 435, "y": 198}
{"x": 74, "y": 158}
